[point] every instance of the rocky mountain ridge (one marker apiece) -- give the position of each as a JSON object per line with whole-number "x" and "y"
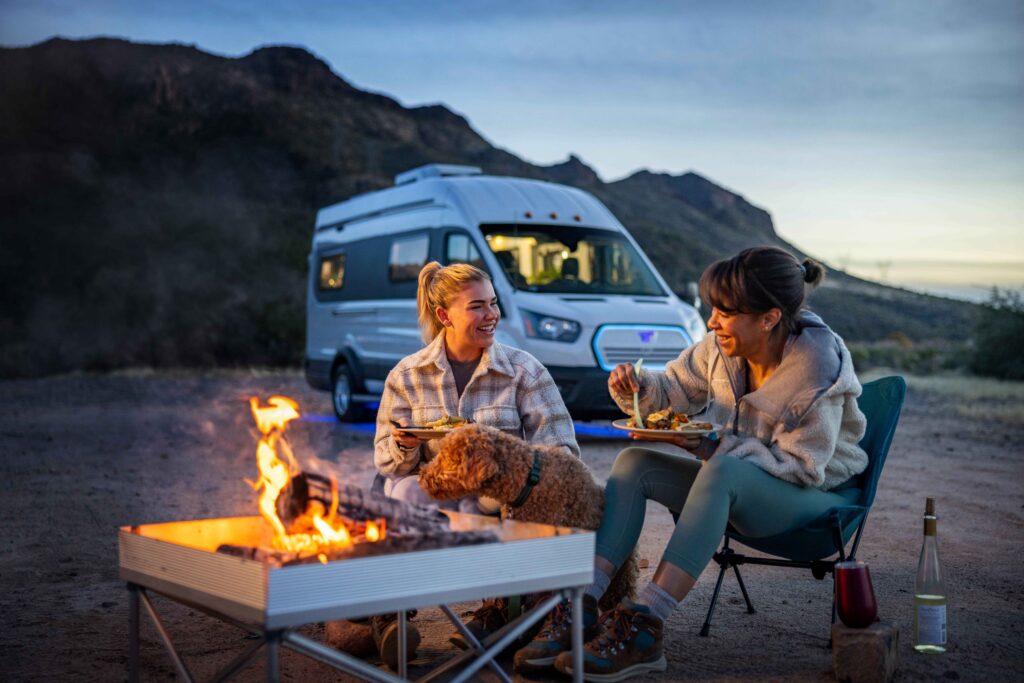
{"x": 159, "y": 202}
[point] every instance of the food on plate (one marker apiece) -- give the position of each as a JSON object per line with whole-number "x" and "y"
{"x": 447, "y": 423}
{"x": 671, "y": 421}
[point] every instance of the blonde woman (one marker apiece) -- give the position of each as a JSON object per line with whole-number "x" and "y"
{"x": 463, "y": 372}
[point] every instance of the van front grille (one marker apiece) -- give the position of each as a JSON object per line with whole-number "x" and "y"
{"x": 656, "y": 344}
{"x": 628, "y": 354}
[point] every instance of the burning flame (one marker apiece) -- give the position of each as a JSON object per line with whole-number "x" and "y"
{"x": 339, "y": 536}
{"x": 275, "y": 473}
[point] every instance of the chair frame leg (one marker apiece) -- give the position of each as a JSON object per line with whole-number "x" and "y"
{"x": 726, "y": 557}
{"x": 743, "y": 589}
{"x": 706, "y": 628}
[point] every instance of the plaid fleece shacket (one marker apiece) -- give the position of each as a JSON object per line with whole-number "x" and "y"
{"x": 510, "y": 390}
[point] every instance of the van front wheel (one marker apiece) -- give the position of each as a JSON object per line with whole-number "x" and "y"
{"x": 341, "y": 394}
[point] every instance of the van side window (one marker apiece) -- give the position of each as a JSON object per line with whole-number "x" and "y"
{"x": 408, "y": 256}
{"x": 332, "y": 272}
{"x": 460, "y": 249}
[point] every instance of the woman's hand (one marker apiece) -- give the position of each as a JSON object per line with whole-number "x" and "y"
{"x": 407, "y": 442}
{"x": 622, "y": 381}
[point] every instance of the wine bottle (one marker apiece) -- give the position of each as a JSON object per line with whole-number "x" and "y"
{"x": 930, "y": 633}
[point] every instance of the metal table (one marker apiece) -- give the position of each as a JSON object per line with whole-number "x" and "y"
{"x": 179, "y": 560}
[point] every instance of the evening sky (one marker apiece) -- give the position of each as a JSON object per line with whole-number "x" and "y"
{"x": 887, "y": 137}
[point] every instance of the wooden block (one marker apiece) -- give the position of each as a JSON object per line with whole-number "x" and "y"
{"x": 865, "y": 655}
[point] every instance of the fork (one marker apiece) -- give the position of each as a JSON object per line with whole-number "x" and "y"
{"x": 636, "y": 395}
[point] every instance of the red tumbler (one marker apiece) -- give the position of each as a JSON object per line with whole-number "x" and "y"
{"x": 855, "y": 598}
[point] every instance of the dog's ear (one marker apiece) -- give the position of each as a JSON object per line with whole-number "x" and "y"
{"x": 479, "y": 465}
{"x": 442, "y": 477}
{"x": 478, "y": 470}
{"x": 428, "y": 478}
{"x": 438, "y": 478}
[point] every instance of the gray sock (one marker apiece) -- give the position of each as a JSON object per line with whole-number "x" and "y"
{"x": 658, "y": 599}
{"x": 600, "y": 585}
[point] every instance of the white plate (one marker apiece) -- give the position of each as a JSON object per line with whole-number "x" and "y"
{"x": 622, "y": 424}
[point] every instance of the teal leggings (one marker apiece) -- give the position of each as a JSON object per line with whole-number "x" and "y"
{"x": 707, "y": 496}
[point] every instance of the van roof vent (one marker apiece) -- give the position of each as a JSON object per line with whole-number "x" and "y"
{"x": 434, "y": 171}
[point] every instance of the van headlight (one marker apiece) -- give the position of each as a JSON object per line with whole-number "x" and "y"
{"x": 548, "y": 327}
{"x": 695, "y": 327}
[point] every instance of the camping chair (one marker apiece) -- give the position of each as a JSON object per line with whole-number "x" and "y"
{"x": 807, "y": 547}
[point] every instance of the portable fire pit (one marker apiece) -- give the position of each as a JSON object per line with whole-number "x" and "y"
{"x": 180, "y": 560}
{"x": 321, "y": 551}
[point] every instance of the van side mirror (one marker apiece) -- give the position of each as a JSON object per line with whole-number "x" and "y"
{"x": 693, "y": 294}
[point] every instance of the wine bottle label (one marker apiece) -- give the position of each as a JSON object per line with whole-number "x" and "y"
{"x": 931, "y": 624}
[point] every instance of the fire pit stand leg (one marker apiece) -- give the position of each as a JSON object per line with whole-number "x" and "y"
{"x": 339, "y": 660}
{"x": 273, "y": 656}
{"x": 577, "y": 635}
{"x": 403, "y": 659}
{"x": 133, "y": 633}
{"x": 521, "y": 625}
{"x": 179, "y": 663}
{"x": 239, "y": 662}
{"x": 476, "y": 645}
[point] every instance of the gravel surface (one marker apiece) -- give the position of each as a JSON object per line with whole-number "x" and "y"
{"x": 82, "y": 455}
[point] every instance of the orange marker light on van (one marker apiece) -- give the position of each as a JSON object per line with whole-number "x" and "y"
{"x": 578, "y": 218}
{"x": 528, "y": 214}
{"x": 554, "y": 216}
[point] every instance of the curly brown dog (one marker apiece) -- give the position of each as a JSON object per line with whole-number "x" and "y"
{"x": 477, "y": 460}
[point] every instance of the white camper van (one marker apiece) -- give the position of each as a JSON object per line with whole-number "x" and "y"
{"x": 574, "y": 288}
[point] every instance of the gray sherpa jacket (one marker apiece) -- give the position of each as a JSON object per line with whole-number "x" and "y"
{"x": 803, "y": 425}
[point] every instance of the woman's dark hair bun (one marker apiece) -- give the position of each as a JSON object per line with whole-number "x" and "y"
{"x": 814, "y": 272}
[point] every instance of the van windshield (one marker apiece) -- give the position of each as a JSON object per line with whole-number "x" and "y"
{"x": 570, "y": 259}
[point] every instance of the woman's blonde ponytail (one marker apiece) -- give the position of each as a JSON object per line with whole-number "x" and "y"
{"x": 429, "y": 323}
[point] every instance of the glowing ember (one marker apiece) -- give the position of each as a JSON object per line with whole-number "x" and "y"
{"x": 319, "y": 529}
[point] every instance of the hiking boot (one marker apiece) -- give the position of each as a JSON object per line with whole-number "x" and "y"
{"x": 554, "y": 638}
{"x": 385, "y": 635}
{"x": 485, "y": 620}
{"x": 353, "y": 637}
{"x": 629, "y": 644}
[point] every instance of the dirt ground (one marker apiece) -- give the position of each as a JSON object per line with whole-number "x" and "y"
{"x": 82, "y": 455}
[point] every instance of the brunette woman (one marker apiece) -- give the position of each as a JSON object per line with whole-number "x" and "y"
{"x": 782, "y": 385}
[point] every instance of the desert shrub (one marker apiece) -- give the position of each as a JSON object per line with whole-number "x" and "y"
{"x": 998, "y": 347}
{"x": 901, "y": 339}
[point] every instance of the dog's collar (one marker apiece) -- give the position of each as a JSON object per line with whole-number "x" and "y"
{"x": 531, "y": 480}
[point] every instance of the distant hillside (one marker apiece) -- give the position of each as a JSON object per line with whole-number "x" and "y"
{"x": 158, "y": 203}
